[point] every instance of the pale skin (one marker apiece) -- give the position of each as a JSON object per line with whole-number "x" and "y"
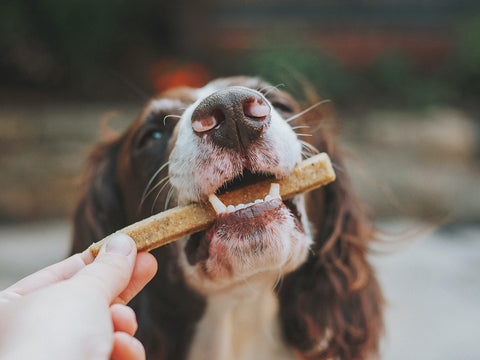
{"x": 76, "y": 309}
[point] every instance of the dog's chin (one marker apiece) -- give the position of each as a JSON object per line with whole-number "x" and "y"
{"x": 265, "y": 240}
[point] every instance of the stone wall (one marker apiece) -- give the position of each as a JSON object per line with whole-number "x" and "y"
{"x": 417, "y": 164}
{"x": 43, "y": 153}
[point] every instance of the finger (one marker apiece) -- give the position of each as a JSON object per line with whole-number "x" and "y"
{"x": 109, "y": 274}
{"x": 126, "y": 347}
{"x": 50, "y": 275}
{"x": 124, "y": 319}
{"x": 144, "y": 270}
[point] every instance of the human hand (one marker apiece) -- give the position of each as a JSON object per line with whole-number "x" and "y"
{"x": 76, "y": 309}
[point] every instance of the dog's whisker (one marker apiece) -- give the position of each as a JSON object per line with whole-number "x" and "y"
{"x": 169, "y": 196}
{"x": 265, "y": 88}
{"x": 310, "y": 147}
{"x": 155, "y": 175}
{"x": 171, "y": 116}
{"x": 158, "y": 194}
{"x": 303, "y": 134}
{"x": 296, "y": 116}
{"x": 305, "y": 155}
{"x": 150, "y": 182}
{"x": 301, "y": 127}
{"x": 337, "y": 167}
{"x": 163, "y": 187}
{"x": 270, "y": 89}
{"x": 278, "y": 281}
{"x": 154, "y": 202}
{"x": 166, "y": 178}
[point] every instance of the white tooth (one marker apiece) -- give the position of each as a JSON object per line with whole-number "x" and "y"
{"x": 217, "y": 204}
{"x": 230, "y": 208}
{"x": 275, "y": 191}
{"x": 268, "y": 198}
{"x": 240, "y": 206}
{"x": 258, "y": 201}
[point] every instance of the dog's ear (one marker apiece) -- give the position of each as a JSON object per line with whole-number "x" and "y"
{"x": 99, "y": 211}
{"x": 331, "y": 307}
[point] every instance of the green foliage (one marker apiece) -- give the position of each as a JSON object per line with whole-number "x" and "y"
{"x": 392, "y": 72}
{"x": 395, "y": 78}
{"x": 76, "y": 43}
{"x": 295, "y": 66}
{"x": 11, "y": 18}
{"x": 428, "y": 91}
{"x": 467, "y": 55}
{"x": 82, "y": 28}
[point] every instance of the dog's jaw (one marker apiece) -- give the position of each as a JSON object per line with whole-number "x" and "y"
{"x": 238, "y": 248}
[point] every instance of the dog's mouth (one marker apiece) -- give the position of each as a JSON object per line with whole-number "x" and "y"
{"x": 229, "y": 210}
{"x": 251, "y": 212}
{"x": 231, "y": 213}
{"x": 238, "y": 224}
{"x": 247, "y": 177}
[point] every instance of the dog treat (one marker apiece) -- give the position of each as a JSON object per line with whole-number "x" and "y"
{"x": 173, "y": 224}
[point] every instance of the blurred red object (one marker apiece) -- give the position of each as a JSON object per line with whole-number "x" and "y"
{"x": 169, "y": 73}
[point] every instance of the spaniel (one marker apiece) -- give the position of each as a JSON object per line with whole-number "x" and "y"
{"x": 269, "y": 280}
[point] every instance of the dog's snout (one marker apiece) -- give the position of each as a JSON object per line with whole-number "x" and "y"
{"x": 232, "y": 117}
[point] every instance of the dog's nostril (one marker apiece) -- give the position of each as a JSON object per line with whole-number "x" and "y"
{"x": 207, "y": 123}
{"x": 256, "y": 109}
{"x": 232, "y": 118}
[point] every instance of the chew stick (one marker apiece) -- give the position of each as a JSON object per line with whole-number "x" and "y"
{"x": 173, "y": 224}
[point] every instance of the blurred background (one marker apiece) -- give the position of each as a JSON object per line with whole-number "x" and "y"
{"x": 404, "y": 78}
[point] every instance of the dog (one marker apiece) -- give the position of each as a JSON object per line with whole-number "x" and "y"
{"x": 269, "y": 280}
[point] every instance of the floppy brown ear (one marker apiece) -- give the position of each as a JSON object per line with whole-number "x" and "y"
{"x": 331, "y": 307}
{"x": 100, "y": 210}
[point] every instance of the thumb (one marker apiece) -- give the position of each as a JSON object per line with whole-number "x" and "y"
{"x": 109, "y": 274}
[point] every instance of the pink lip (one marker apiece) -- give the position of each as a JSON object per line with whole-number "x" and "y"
{"x": 248, "y": 219}
{"x": 250, "y": 212}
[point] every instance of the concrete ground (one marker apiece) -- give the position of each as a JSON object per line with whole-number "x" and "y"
{"x": 431, "y": 285}
{"x": 432, "y": 288}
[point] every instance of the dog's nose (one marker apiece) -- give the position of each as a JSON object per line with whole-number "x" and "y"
{"x": 232, "y": 117}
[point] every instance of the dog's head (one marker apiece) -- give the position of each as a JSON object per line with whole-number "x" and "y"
{"x": 192, "y": 144}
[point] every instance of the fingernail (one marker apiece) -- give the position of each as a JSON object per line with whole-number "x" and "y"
{"x": 119, "y": 244}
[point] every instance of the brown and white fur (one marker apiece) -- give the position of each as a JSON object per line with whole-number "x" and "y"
{"x": 274, "y": 280}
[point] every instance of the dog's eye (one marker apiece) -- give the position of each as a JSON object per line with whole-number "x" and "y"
{"x": 148, "y": 137}
{"x": 156, "y": 135}
{"x": 282, "y": 107}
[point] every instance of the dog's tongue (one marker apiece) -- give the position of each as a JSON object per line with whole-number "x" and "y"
{"x": 221, "y": 208}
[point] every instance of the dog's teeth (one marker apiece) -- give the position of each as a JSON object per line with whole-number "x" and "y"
{"x": 240, "y": 206}
{"x": 220, "y": 207}
{"x": 274, "y": 191}
{"x": 217, "y": 204}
